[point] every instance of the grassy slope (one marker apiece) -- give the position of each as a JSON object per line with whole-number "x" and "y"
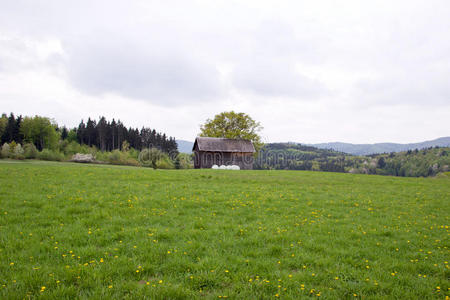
{"x": 103, "y": 231}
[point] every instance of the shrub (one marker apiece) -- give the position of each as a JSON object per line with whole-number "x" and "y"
{"x": 88, "y": 150}
{"x": 71, "y": 148}
{"x": 165, "y": 163}
{"x": 48, "y": 154}
{"x": 133, "y": 153}
{"x": 18, "y": 152}
{"x": 156, "y": 159}
{"x": 12, "y": 146}
{"x": 5, "y": 150}
{"x": 149, "y": 157}
{"x": 125, "y": 146}
{"x": 185, "y": 161}
{"x": 102, "y": 156}
{"x": 30, "y": 151}
{"x": 132, "y": 162}
{"x": 117, "y": 157}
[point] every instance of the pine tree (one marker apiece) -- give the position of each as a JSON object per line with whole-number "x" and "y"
{"x": 91, "y": 136}
{"x": 8, "y": 135}
{"x": 101, "y": 132}
{"x": 81, "y": 132}
{"x": 64, "y": 133}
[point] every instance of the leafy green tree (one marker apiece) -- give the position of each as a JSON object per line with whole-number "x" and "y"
{"x": 40, "y": 131}
{"x": 233, "y": 125}
{"x": 72, "y": 135}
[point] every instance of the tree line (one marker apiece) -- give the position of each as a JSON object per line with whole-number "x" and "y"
{"x": 103, "y": 134}
{"x": 110, "y": 135}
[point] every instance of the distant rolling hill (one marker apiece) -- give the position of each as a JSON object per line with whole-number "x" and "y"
{"x": 366, "y": 149}
{"x": 185, "y": 146}
{"x": 355, "y": 149}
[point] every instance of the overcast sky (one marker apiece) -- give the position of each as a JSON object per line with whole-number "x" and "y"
{"x": 309, "y": 71}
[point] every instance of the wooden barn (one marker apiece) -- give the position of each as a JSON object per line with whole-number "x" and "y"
{"x": 210, "y": 151}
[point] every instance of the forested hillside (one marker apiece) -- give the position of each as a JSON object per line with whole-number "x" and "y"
{"x": 412, "y": 163}
{"x": 290, "y": 156}
{"x": 368, "y": 149}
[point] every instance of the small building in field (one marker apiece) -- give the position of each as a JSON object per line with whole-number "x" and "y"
{"x": 210, "y": 151}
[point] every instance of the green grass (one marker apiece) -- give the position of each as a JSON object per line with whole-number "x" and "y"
{"x": 92, "y": 231}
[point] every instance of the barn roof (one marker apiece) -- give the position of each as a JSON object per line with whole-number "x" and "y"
{"x": 223, "y": 145}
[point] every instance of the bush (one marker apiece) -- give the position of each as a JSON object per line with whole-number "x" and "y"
{"x": 133, "y": 153}
{"x": 117, "y": 157}
{"x": 18, "y": 152}
{"x": 51, "y": 155}
{"x": 155, "y": 158}
{"x": 132, "y": 162}
{"x": 149, "y": 157}
{"x": 5, "y": 150}
{"x": 88, "y": 150}
{"x": 165, "y": 163}
{"x": 30, "y": 151}
{"x": 102, "y": 156}
{"x": 12, "y": 146}
{"x": 71, "y": 148}
{"x": 185, "y": 161}
{"x": 12, "y": 150}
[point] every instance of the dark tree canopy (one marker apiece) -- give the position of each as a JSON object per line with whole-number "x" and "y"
{"x": 111, "y": 135}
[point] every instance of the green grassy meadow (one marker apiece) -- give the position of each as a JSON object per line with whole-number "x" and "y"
{"x": 94, "y": 231}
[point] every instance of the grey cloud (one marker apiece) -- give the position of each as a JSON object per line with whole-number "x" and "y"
{"x": 416, "y": 86}
{"x": 274, "y": 79}
{"x": 279, "y": 40}
{"x": 15, "y": 55}
{"x": 269, "y": 67}
{"x": 157, "y": 71}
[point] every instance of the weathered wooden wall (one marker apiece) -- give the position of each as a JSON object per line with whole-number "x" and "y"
{"x": 204, "y": 159}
